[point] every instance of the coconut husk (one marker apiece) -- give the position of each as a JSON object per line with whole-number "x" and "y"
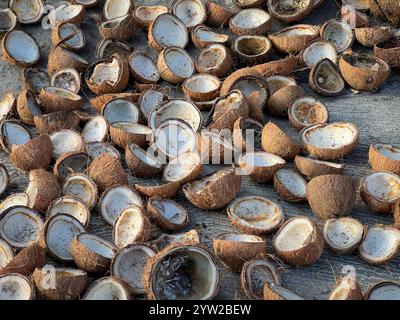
{"x": 52, "y": 103}
{"x": 24, "y": 112}
{"x": 379, "y": 162}
{"x": 61, "y": 172}
{"x": 167, "y": 190}
{"x": 123, "y": 31}
{"x": 280, "y": 101}
{"x": 370, "y": 36}
{"x": 138, "y": 167}
{"x": 387, "y": 10}
{"x": 217, "y": 14}
{"x": 60, "y": 58}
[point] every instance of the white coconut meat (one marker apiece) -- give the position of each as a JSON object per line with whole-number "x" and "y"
{"x": 63, "y": 93}
{"x": 15, "y": 287}
{"x": 252, "y": 45}
{"x": 4, "y": 179}
{"x": 166, "y": 240}
{"x": 339, "y": 33}
{"x": 67, "y": 78}
{"x": 257, "y": 213}
{"x": 72, "y": 206}
{"x": 293, "y": 182}
{"x": 203, "y": 33}
{"x": 343, "y": 234}
{"x": 149, "y": 100}
{"x": 66, "y": 12}
{"x": 145, "y": 157}
{"x": 202, "y": 83}
{"x": 388, "y": 151}
{"x": 179, "y": 62}
{"x": 27, "y": 11}
{"x": 95, "y": 130}
{"x": 317, "y": 51}
{"x": 8, "y": 20}
{"x": 20, "y": 226}
{"x": 330, "y": 136}
{"x": 190, "y": 12}
{"x": 383, "y": 186}
{"x": 129, "y": 226}
{"x": 106, "y": 289}
{"x": 380, "y": 245}
{"x": 15, "y": 199}
{"x": 169, "y": 211}
{"x": 146, "y": 14}
{"x": 120, "y": 110}
{"x": 108, "y": 71}
{"x": 168, "y": 30}
{"x": 7, "y": 105}
{"x": 6, "y": 253}
{"x": 97, "y": 245}
{"x": 144, "y": 67}
{"x": 211, "y": 57}
{"x": 260, "y": 159}
{"x": 59, "y": 232}
{"x": 250, "y": 18}
{"x": 181, "y": 167}
{"x": 307, "y": 111}
{"x": 80, "y": 186}
{"x": 116, "y": 200}
{"x": 117, "y": 8}
{"x": 21, "y": 47}
{"x": 298, "y": 30}
{"x": 176, "y": 109}
{"x": 385, "y": 291}
{"x": 96, "y": 149}
{"x": 278, "y": 82}
{"x": 64, "y": 141}
{"x": 78, "y": 39}
{"x": 129, "y": 264}
{"x": 36, "y": 79}
{"x": 13, "y": 133}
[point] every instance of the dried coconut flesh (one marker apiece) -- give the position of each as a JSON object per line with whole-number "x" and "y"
{"x": 168, "y": 30}
{"x": 190, "y": 12}
{"x": 203, "y": 33}
{"x": 65, "y": 141}
{"x": 150, "y": 100}
{"x": 181, "y": 167}
{"x": 15, "y": 287}
{"x": 293, "y": 182}
{"x": 339, "y": 34}
{"x": 146, "y": 14}
{"x": 107, "y": 288}
{"x": 383, "y": 186}
{"x": 81, "y": 187}
{"x": 120, "y": 110}
{"x": 16, "y": 199}
{"x": 71, "y": 206}
{"x": 144, "y": 67}
{"x": 95, "y": 130}
{"x": 257, "y": 159}
{"x": 294, "y": 236}
{"x": 179, "y": 62}
{"x": 117, "y": 8}
{"x": 22, "y": 47}
{"x": 388, "y": 151}
{"x": 97, "y": 245}
{"x": 307, "y": 111}
{"x": 318, "y": 51}
{"x": 106, "y": 72}
{"x": 250, "y": 18}
{"x": 13, "y": 133}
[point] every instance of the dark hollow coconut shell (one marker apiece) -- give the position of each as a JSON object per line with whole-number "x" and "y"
{"x": 157, "y": 207}
{"x": 331, "y": 195}
{"x": 311, "y": 168}
{"x": 34, "y": 154}
{"x": 53, "y": 99}
{"x": 381, "y": 162}
{"x": 219, "y": 15}
{"x": 386, "y": 9}
{"x": 121, "y": 28}
{"x": 56, "y": 121}
{"x": 71, "y": 162}
{"x": 389, "y": 51}
{"x": 107, "y": 171}
{"x": 290, "y": 11}
{"x": 325, "y": 78}
{"x": 27, "y": 106}
{"x": 167, "y": 190}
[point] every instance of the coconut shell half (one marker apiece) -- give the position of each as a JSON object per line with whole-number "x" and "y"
{"x": 6, "y": 255}
{"x": 290, "y": 185}
{"x": 54, "y": 99}
{"x": 107, "y": 288}
{"x": 71, "y": 162}
{"x": 384, "y": 157}
{"x": 27, "y": 107}
{"x": 56, "y": 121}
{"x": 346, "y": 289}
{"x": 144, "y": 15}
{"x": 183, "y": 169}
{"x": 253, "y": 21}
{"x": 214, "y": 59}
{"x": 13, "y": 133}
{"x": 14, "y": 286}
{"x": 167, "y": 214}
{"x": 339, "y": 33}
{"x": 167, "y": 190}
{"x": 325, "y": 78}
{"x": 307, "y": 111}
{"x": 385, "y": 291}
{"x": 275, "y": 292}
{"x": 290, "y": 11}
{"x": 7, "y": 105}
{"x": 4, "y": 179}
{"x": 71, "y": 206}
{"x": 20, "y": 48}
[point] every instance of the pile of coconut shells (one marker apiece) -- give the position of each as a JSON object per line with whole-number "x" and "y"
{"x": 88, "y": 130}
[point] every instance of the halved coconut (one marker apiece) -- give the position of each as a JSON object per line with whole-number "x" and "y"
{"x": 234, "y": 249}
{"x": 16, "y": 287}
{"x": 343, "y": 235}
{"x": 290, "y": 185}
{"x": 330, "y": 141}
{"x": 8, "y": 20}
{"x": 389, "y": 51}
{"x": 58, "y": 233}
{"x": 106, "y": 171}
{"x": 56, "y": 121}
{"x": 67, "y": 12}
{"x": 167, "y": 214}
{"x": 95, "y": 130}
{"x": 34, "y": 154}
{"x": 143, "y": 68}
{"x": 380, "y": 191}
{"x": 27, "y": 106}
{"x": 6, "y": 254}
{"x": 107, "y": 76}
{"x": 149, "y": 100}
{"x": 260, "y": 166}
{"x": 384, "y": 157}
{"x": 184, "y": 168}
{"x": 386, "y": 10}
{"x": 346, "y": 289}
{"x": 380, "y": 245}
{"x": 331, "y": 195}
{"x": 15, "y": 199}
{"x": 115, "y": 200}
{"x": 131, "y": 226}
{"x": 247, "y": 134}
{"x": 20, "y": 48}
{"x": 71, "y": 162}
{"x": 54, "y": 99}
{"x": 386, "y": 290}
{"x": 215, "y": 147}
{"x": 35, "y": 79}
{"x": 42, "y": 189}
{"x": 92, "y": 253}
{"x": 255, "y": 273}
{"x": 121, "y": 28}
{"x": 252, "y": 49}
{"x": 80, "y": 186}
{"x": 117, "y": 8}
{"x": 299, "y": 241}
{"x": 358, "y": 4}
{"x": 59, "y": 283}
{"x": 141, "y": 163}
{"x": 27, "y": 11}
{"x": 76, "y": 38}
{"x": 182, "y": 272}
{"x": 214, "y": 191}
{"x": 252, "y": 21}
{"x": 317, "y": 51}
{"x": 190, "y": 12}
{"x": 325, "y": 78}
{"x": 219, "y": 13}
{"x": 4, "y": 179}
{"x": 96, "y": 149}
{"x": 291, "y": 10}
{"x": 151, "y": 189}
{"x": 201, "y": 87}
{"x": 107, "y": 288}
{"x": 362, "y": 71}
{"x": 293, "y": 39}
{"x": 166, "y": 240}
{"x": 278, "y": 82}
{"x": 176, "y": 109}
{"x": 276, "y": 292}
{"x": 339, "y": 33}
{"x": 280, "y": 101}
{"x": 7, "y": 105}
{"x": 372, "y": 35}
{"x": 67, "y": 78}
{"x": 20, "y": 226}
{"x": 71, "y": 206}
{"x": 202, "y": 36}
{"x": 109, "y": 46}
{"x": 311, "y": 168}
{"x": 65, "y": 141}
{"x": 275, "y": 140}
{"x": 255, "y": 215}
{"x": 167, "y": 30}
{"x": 307, "y": 111}
{"x": 120, "y": 110}
{"x": 175, "y": 65}
{"x": 24, "y": 262}
{"x": 60, "y": 58}
{"x": 144, "y": 15}
{"x": 13, "y": 133}
{"x": 214, "y": 59}
{"x": 125, "y": 133}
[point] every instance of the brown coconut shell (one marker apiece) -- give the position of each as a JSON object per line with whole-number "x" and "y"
{"x": 60, "y": 58}
{"x": 137, "y": 166}
{"x": 99, "y": 102}
{"x": 34, "y": 154}
{"x": 279, "y": 103}
{"x": 24, "y": 112}
{"x": 123, "y": 31}
{"x": 8, "y": 57}
{"x": 238, "y": 136}
{"x": 276, "y": 141}
{"x": 56, "y": 37}
{"x": 61, "y": 172}
{"x": 331, "y": 195}
{"x": 346, "y": 289}
{"x": 352, "y": 16}
{"x": 370, "y": 36}
{"x": 284, "y": 193}
{"x": 389, "y": 51}
{"x": 50, "y": 102}
{"x": 259, "y": 30}
{"x": 290, "y": 18}
{"x": 396, "y": 215}
{"x": 386, "y": 10}
{"x": 165, "y": 71}
{"x": 107, "y": 171}
{"x": 56, "y": 121}
{"x": 166, "y": 190}
{"x": 380, "y": 162}
{"x": 309, "y": 168}
{"x": 223, "y": 68}
{"x": 218, "y": 15}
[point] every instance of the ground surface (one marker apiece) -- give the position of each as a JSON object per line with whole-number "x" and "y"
{"x": 376, "y": 114}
